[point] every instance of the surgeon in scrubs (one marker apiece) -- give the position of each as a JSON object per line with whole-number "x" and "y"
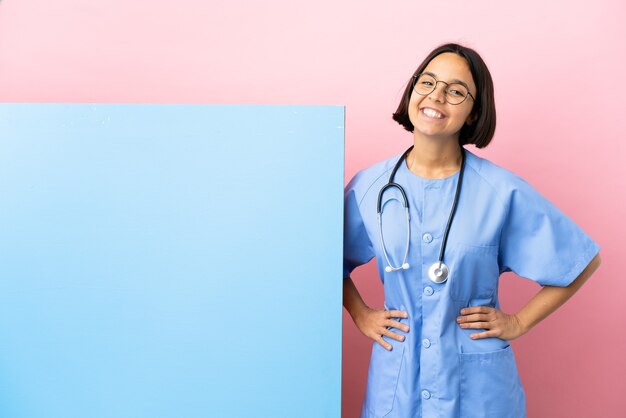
{"x": 441, "y": 343}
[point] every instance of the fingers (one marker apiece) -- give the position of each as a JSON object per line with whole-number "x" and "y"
{"x": 384, "y": 343}
{"x": 388, "y": 334}
{"x": 485, "y": 334}
{"x": 397, "y": 325}
{"x": 478, "y": 317}
{"x": 481, "y": 325}
{"x": 391, "y": 334}
{"x": 387, "y": 324}
{"x": 396, "y": 314}
{"x": 493, "y": 321}
{"x": 477, "y": 310}
{"x": 475, "y": 318}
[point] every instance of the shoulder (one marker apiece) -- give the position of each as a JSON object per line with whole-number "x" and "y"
{"x": 502, "y": 181}
{"x": 366, "y": 180}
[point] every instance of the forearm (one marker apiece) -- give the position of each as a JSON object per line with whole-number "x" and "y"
{"x": 352, "y": 300}
{"x": 549, "y": 298}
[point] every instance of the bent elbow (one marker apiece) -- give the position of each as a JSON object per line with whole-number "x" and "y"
{"x": 596, "y": 261}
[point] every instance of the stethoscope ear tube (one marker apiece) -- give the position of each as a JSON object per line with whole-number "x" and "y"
{"x": 404, "y": 265}
{"x": 405, "y": 201}
{"x": 390, "y": 184}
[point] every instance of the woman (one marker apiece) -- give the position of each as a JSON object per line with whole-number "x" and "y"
{"x": 441, "y": 342}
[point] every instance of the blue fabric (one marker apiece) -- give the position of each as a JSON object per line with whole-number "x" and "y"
{"x": 501, "y": 224}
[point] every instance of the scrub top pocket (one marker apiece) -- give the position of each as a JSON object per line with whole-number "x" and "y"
{"x": 474, "y": 272}
{"x": 490, "y": 386}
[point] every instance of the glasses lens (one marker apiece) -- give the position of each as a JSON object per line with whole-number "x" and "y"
{"x": 456, "y": 93}
{"x": 425, "y": 84}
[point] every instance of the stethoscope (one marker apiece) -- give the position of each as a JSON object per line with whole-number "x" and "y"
{"x": 438, "y": 271}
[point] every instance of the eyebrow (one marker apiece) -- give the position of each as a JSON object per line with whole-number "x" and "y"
{"x": 451, "y": 81}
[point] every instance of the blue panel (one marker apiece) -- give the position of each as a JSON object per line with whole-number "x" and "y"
{"x": 170, "y": 261}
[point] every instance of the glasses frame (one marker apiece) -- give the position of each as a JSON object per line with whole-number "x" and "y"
{"x": 415, "y": 77}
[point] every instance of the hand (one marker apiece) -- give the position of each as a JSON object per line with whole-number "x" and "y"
{"x": 497, "y": 323}
{"x": 374, "y": 324}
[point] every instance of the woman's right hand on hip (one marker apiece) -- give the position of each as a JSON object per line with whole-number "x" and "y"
{"x": 375, "y": 323}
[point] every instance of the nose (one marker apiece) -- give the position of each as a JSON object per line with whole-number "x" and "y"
{"x": 439, "y": 94}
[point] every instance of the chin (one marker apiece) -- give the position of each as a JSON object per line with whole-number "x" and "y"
{"x": 430, "y": 131}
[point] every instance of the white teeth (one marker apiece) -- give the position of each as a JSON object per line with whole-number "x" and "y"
{"x": 432, "y": 113}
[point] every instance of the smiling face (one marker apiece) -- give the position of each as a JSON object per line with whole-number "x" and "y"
{"x": 431, "y": 115}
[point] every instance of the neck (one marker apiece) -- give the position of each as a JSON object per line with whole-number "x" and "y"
{"x": 434, "y": 157}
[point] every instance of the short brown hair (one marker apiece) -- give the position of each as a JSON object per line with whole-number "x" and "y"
{"x": 482, "y": 129}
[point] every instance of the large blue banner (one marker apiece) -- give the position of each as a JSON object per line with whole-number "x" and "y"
{"x": 170, "y": 261}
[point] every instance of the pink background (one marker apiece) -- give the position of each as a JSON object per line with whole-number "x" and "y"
{"x": 557, "y": 67}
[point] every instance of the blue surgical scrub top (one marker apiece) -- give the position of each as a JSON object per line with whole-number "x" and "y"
{"x": 501, "y": 224}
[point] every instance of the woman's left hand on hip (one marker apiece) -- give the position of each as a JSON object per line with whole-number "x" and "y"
{"x": 495, "y": 323}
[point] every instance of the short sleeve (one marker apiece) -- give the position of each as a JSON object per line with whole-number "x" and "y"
{"x": 541, "y": 243}
{"x": 357, "y": 247}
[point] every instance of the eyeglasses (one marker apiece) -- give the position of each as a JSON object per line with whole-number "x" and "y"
{"x": 456, "y": 93}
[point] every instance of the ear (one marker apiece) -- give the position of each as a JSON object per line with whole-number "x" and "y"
{"x": 470, "y": 119}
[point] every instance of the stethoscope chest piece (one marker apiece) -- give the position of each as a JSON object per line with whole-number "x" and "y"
{"x": 438, "y": 272}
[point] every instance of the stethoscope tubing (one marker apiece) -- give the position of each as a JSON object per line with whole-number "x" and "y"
{"x": 438, "y": 271}
{"x": 454, "y": 205}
